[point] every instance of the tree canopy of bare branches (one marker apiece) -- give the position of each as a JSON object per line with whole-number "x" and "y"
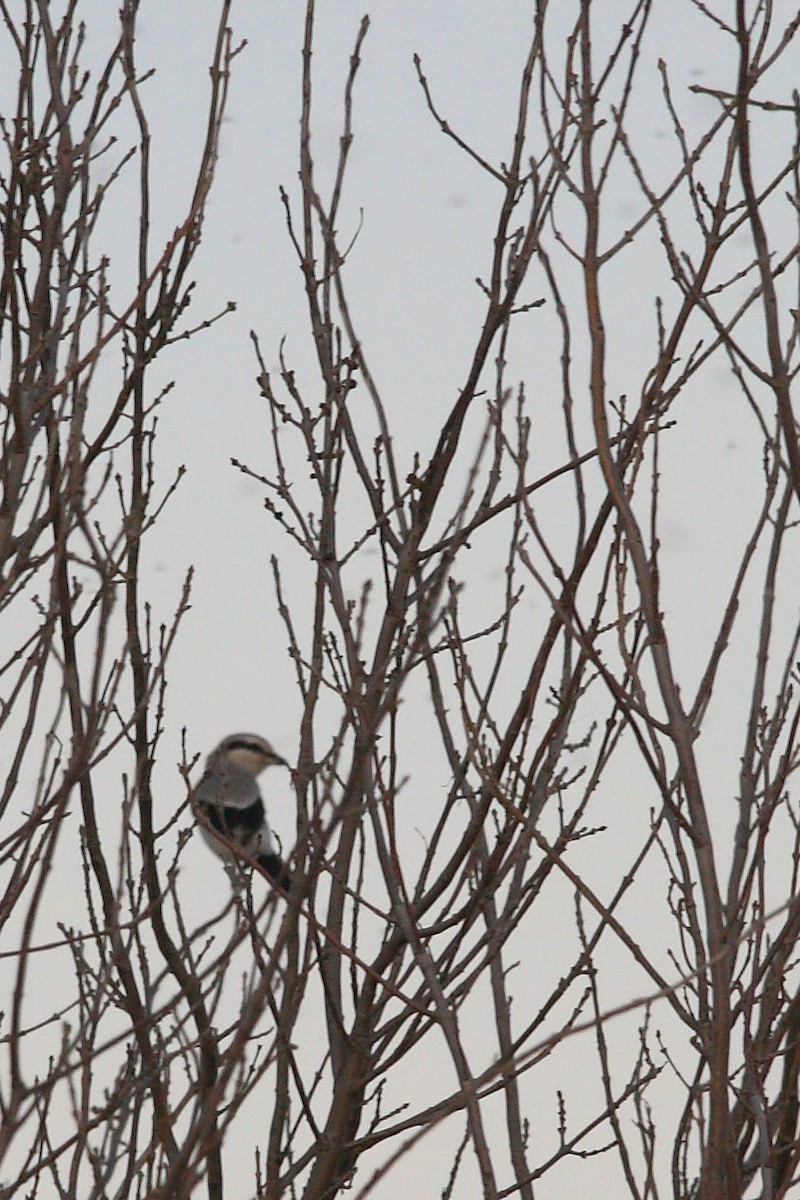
{"x": 543, "y": 914}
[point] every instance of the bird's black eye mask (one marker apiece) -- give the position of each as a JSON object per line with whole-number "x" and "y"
{"x": 253, "y": 747}
{"x": 244, "y": 744}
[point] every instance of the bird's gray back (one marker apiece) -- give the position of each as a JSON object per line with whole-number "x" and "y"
{"x": 225, "y": 783}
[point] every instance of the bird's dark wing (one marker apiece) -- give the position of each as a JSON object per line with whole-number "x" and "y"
{"x": 238, "y": 824}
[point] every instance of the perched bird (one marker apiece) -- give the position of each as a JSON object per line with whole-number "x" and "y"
{"x": 229, "y": 799}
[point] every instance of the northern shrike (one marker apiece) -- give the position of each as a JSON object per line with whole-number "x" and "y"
{"x": 229, "y": 798}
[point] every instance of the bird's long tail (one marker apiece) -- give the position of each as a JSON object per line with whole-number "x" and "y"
{"x": 275, "y": 867}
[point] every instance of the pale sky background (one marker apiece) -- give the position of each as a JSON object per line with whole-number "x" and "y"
{"x": 428, "y": 217}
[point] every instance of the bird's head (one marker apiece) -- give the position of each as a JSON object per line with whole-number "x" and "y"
{"x": 249, "y": 751}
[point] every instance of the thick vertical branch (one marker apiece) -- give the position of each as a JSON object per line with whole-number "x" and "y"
{"x": 780, "y": 375}
{"x": 719, "y": 1172}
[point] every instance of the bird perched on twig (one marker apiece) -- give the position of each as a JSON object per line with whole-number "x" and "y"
{"x": 229, "y": 799}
